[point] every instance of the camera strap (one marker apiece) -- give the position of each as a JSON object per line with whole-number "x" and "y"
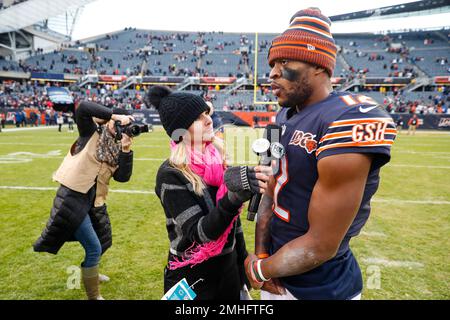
{"x": 107, "y": 149}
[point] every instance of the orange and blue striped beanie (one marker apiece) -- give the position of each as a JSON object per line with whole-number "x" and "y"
{"x": 308, "y": 39}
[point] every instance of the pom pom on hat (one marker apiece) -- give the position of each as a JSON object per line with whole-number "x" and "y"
{"x": 156, "y": 94}
{"x": 308, "y": 39}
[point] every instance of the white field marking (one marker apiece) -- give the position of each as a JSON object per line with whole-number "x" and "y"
{"x": 150, "y": 159}
{"x": 30, "y": 129}
{"x": 425, "y": 132}
{"x": 16, "y": 157}
{"x": 422, "y": 144}
{"x": 68, "y": 144}
{"x": 152, "y": 146}
{"x": 418, "y": 166}
{"x": 152, "y": 192}
{"x": 431, "y": 132}
{"x": 24, "y": 157}
{"x": 26, "y": 160}
{"x": 34, "y": 155}
{"x": 4, "y": 160}
{"x": 133, "y": 191}
{"x": 373, "y": 234}
{"x": 443, "y": 156}
{"x": 155, "y": 146}
{"x": 422, "y": 152}
{"x": 35, "y": 144}
{"x": 55, "y": 188}
{"x": 33, "y": 136}
{"x": 29, "y": 188}
{"x": 411, "y": 201}
{"x": 392, "y": 263}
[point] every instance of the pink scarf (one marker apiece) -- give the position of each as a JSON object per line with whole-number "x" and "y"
{"x": 209, "y": 166}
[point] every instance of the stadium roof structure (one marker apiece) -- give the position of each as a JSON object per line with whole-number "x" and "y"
{"x": 30, "y": 12}
{"x": 400, "y": 10}
{"x": 37, "y": 24}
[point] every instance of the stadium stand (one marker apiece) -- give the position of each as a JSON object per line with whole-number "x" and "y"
{"x": 160, "y": 53}
{"x": 407, "y": 71}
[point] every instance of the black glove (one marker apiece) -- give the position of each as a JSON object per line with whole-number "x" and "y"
{"x": 241, "y": 183}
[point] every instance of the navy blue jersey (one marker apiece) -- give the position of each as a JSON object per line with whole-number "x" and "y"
{"x": 342, "y": 123}
{"x": 217, "y": 122}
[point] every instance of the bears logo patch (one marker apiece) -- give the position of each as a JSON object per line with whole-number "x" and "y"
{"x": 304, "y": 140}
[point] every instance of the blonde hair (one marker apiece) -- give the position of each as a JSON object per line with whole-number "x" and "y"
{"x": 178, "y": 159}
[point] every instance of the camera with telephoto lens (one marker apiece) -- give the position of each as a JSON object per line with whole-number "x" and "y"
{"x": 131, "y": 130}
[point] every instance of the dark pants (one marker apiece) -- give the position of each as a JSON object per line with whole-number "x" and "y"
{"x": 218, "y": 278}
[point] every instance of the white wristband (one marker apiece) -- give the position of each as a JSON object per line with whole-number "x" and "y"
{"x": 258, "y": 269}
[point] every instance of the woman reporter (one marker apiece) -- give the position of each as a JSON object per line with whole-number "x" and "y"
{"x": 207, "y": 245}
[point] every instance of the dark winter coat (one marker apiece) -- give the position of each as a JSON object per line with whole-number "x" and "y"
{"x": 191, "y": 218}
{"x": 71, "y": 207}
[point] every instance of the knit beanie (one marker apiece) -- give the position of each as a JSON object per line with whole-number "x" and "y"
{"x": 177, "y": 110}
{"x": 308, "y": 39}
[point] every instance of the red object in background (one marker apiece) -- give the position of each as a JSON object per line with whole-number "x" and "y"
{"x": 217, "y": 80}
{"x": 112, "y": 78}
{"x": 441, "y": 79}
{"x": 264, "y": 118}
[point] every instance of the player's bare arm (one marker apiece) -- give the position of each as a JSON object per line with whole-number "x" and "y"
{"x": 262, "y": 236}
{"x": 262, "y": 231}
{"x": 334, "y": 204}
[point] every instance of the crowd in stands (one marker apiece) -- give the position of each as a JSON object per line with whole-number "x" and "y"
{"x": 419, "y": 103}
{"x": 163, "y": 53}
{"x": 395, "y": 55}
{"x": 217, "y": 54}
{"x": 31, "y": 94}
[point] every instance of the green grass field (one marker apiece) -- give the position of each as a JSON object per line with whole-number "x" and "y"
{"x": 403, "y": 251}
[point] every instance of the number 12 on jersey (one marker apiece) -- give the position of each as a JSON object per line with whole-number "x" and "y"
{"x": 281, "y": 181}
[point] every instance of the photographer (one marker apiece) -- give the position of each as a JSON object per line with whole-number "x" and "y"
{"x": 207, "y": 245}
{"x": 2, "y": 121}
{"x": 79, "y": 209}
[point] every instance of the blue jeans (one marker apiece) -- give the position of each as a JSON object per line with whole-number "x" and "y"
{"x": 86, "y": 235}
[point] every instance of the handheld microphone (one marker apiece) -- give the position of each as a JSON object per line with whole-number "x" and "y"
{"x": 262, "y": 147}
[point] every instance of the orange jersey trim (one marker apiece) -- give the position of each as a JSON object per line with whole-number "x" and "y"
{"x": 355, "y": 144}
{"x": 345, "y": 134}
{"x": 359, "y": 121}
